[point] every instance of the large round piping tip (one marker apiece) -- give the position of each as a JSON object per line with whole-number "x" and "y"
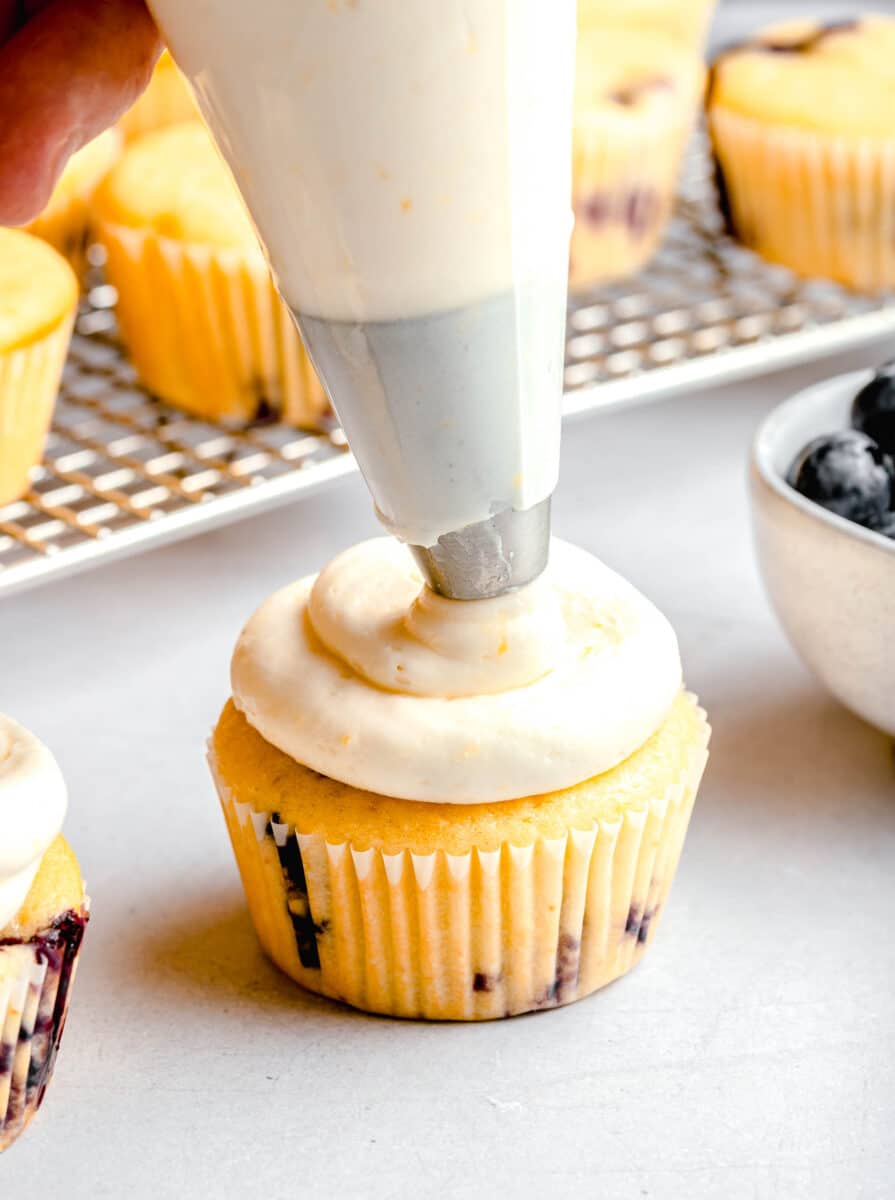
{"x": 489, "y": 558}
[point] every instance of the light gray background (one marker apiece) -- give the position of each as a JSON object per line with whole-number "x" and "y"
{"x": 751, "y": 1055}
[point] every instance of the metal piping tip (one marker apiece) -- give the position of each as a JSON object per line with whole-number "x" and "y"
{"x": 489, "y": 558}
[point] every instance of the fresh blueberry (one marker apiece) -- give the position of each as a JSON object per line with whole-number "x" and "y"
{"x": 848, "y": 474}
{"x": 873, "y": 409}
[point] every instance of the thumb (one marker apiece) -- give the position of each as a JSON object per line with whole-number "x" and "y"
{"x": 65, "y": 76}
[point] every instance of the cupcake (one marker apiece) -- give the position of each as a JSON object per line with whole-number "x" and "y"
{"x": 167, "y": 101}
{"x": 198, "y": 310}
{"x": 38, "y": 300}
{"x": 687, "y": 20}
{"x": 457, "y": 810}
{"x": 43, "y": 914}
{"x": 802, "y": 121}
{"x": 636, "y": 96}
{"x": 65, "y": 222}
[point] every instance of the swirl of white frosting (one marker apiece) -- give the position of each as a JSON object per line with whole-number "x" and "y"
{"x": 363, "y": 674}
{"x": 33, "y": 801}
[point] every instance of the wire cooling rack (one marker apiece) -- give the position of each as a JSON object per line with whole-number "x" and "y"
{"x": 123, "y": 472}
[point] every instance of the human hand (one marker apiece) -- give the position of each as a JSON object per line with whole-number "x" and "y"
{"x": 68, "y": 70}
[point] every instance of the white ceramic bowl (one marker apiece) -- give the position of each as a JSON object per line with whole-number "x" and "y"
{"x": 831, "y": 582}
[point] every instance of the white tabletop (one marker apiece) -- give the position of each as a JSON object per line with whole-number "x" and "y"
{"x": 749, "y": 1055}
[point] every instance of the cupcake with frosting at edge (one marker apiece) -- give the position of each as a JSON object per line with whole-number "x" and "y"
{"x": 43, "y": 914}
{"x": 198, "y": 310}
{"x": 636, "y": 98}
{"x": 457, "y": 810}
{"x": 66, "y": 222}
{"x": 38, "y": 303}
{"x": 802, "y": 122}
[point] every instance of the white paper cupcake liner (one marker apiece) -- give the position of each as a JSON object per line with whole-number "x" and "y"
{"x": 208, "y": 332}
{"x": 819, "y": 204}
{"x": 35, "y": 987}
{"x": 29, "y": 384}
{"x": 463, "y": 937}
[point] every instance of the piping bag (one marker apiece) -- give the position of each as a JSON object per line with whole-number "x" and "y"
{"x": 407, "y": 165}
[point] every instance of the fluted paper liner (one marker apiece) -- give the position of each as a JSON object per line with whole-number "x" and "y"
{"x": 35, "y": 987}
{"x": 624, "y": 179}
{"x": 29, "y": 383}
{"x": 207, "y": 330}
{"x": 463, "y": 937}
{"x": 822, "y": 205}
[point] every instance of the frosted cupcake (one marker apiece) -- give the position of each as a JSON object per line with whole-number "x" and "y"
{"x": 636, "y": 97}
{"x": 457, "y": 810}
{"x": 38, "y": 301}
{"x": 802, "y": 121}
{"x": 197, "y": 306}
{"x": 43, "y": 914}
{"x": 167, "y": 101}
{"x": 66, "y": 221}
{"x": 686, "y": 20}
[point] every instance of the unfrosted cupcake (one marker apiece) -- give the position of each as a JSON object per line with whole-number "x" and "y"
{"x": 687, "y": 20}
{"x": 38, "y": 301}
{"x": 457, "y": 810}
{"x": 197, "y": 306}
{"x": 636, "y": 97}
{"x": 66, "y": 221}
{"x": 802, "y": 121}
{"x": 167, "y": 101}
{"x": 43, "y": 914}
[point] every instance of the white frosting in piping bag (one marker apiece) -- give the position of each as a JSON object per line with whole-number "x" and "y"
{"x": 33, "y": 801}
{"x": 363, "y": 674}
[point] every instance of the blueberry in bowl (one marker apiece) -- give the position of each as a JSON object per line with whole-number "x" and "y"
{"x": 848, "y": 474}
{"x": 873, "y": 408}
{"x": 823, "y": 510}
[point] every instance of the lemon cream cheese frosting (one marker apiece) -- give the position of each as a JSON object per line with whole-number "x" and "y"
{"x": 33, "y": 801}
{"x": 365, "y": 675}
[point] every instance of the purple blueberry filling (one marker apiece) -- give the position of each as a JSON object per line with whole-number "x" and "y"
{"x": 305, "y": 928}
{"x": 812, "y": 40}
{"x": 57, "y": 948}
{"x": 638, "y": 922}
{"x": 628, "y": 94}
{"x": 638, "y": 209}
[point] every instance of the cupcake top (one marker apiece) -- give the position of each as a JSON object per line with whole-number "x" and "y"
{"x": 57, "y": 889}
{"x": 624, "y": 76}
{"x": 174, "y": 182}
{"x": 835, "y": 78}
{"x": 38, "y": 289}
{"x": 365, "y": 675}
{"x": 33, "y": 801}
{"x": 167, "y": 101}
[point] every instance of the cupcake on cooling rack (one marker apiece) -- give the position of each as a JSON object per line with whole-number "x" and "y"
{"x": 457, "y": 810}
{"x": 802, "y": 120}
{"x": 636, "y": 97}
{"x": 167, "y": 101}
{"x": 38, "y": 301}
{"x": 43, "y": 914}
{"x": 687, "y": 20}
{"x": 66, "y": 221}
{"x": 197, "y": 306}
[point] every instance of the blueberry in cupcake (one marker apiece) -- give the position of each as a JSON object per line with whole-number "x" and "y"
{"x": 43, "y": 914}
{"x": 457, "y": 810}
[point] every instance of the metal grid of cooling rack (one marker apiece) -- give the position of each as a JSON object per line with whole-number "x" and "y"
{"x": 123, "y": 472}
